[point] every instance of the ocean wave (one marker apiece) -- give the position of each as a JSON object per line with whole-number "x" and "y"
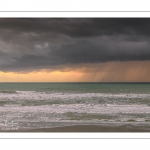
{"x": 81, "y": 108}
{"x": 67, "y": 96}
{"x": 34, "y": 98}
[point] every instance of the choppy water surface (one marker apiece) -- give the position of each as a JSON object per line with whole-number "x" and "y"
{"x": 46, "y": 105}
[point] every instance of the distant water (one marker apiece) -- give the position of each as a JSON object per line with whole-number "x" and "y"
{"x": 47, "y": 105}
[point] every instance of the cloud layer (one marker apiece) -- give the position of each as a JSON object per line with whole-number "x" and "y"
{"x": 48, "y": 43}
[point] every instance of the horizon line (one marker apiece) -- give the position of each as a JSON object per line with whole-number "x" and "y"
{"x": 80, "y": 82}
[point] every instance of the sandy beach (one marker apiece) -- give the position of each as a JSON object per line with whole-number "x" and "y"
{"x": 86, "y": 128}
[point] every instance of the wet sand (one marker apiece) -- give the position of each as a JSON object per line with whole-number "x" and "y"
{"x": 87, "y": 128}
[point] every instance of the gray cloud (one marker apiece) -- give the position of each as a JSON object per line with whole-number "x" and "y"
{"x": 47, "y": 43}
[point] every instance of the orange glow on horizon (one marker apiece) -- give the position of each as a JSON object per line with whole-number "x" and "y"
{"x": 42, "y": 76}
{"x": 129, "y": 71}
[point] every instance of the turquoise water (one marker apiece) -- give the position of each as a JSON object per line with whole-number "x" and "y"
{"x": 47, "y": 105}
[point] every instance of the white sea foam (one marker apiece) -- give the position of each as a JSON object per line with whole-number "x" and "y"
{"x": 80, "y": 108}
{"x": 33, "y": 95}
{"x": 117, "y": 106}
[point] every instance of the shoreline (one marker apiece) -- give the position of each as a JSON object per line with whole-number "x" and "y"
{"x": 86, "y": 128}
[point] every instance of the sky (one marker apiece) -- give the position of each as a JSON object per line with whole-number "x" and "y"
{"x": 74, "y": 49}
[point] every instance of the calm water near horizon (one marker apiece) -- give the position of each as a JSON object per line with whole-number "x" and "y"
{"x": 48, "y": 105}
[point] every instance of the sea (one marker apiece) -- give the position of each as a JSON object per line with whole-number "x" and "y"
{"x": 50, "y": 105}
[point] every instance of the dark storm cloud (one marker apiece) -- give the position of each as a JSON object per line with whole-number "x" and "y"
{"x": 79, "y": 27}
{"x": 48, "y": 43}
